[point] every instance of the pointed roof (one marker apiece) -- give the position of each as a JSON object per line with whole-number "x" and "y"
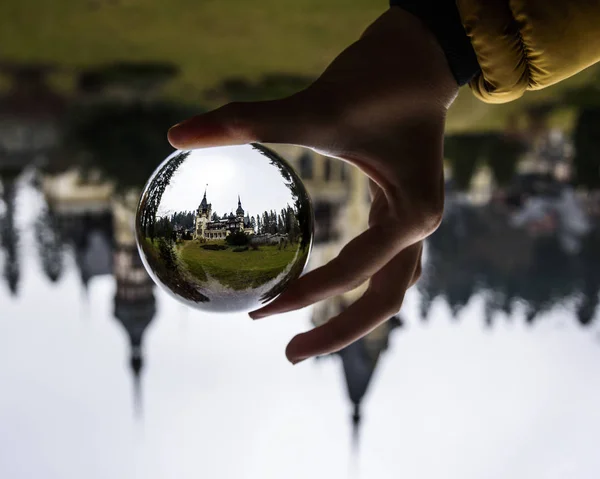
{"x": 358, "y": 370}
{"x": 240, "y": 210}
{"x": 359, "y": 360}
{"x": 204, "y": 203}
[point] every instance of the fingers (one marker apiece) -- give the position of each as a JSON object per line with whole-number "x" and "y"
{"x": 279, "y": 121}
{"x": 380, "y": 302}
{"x": 357, "y": 262}
{"x": 355, "y": 322}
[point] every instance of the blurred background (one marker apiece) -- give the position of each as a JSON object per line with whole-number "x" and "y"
{"x": 490, "y": 370}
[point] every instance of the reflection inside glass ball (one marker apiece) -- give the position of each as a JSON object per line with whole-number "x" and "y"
{"x": 224, "y": 229}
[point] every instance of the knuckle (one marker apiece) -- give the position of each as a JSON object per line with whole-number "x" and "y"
{"x": 431, "y": 208}
{"x": 433, "y": 217}
{"x": 393, "y": 304}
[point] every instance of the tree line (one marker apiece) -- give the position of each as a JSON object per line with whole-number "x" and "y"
{"x": 271, "y": 222}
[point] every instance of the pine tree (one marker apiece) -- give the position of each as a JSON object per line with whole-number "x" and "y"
{"x": 273, "y": 222}
{"x": 259, "y": 227}
{"x": 289, "y": 219}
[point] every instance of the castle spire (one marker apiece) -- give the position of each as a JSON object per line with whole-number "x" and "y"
{"x": 204, "y": 202}
{"x": 355, "y": 426}
{"x": 240, "y": 211}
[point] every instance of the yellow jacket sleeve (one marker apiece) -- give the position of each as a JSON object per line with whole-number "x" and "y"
{"x": 529, "y": 44}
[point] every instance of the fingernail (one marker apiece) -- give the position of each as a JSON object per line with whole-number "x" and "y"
{"x": 260, "y": 313}
{"x": 180, "y": 124}
{"x": 177, "y": 133}
{"x": 297, "y": 360}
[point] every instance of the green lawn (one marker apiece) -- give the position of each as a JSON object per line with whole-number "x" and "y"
{"x": 237, "y": 270}
{"x": 210, "y": 40}
{"x": 172, "y": 275}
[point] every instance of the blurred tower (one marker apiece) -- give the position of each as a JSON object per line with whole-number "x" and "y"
{"x": 134, "y": 297}
{"x": 359, "y": 361}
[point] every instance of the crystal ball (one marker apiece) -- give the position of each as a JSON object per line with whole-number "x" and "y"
{"x": 224, "y": 229}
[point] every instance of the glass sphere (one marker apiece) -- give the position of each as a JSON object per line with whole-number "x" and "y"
{"x": 224, "y": 229}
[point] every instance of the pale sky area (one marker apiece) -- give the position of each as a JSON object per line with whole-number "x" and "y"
{"x": 228, "y": 171}
{"x": 449, "y": 399}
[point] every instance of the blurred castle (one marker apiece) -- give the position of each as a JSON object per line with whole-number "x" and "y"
{"x": 208, "y": 227}
{"x": 85, "y": 213}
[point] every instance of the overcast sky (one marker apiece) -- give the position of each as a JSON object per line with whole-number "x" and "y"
{"x": 228, "y": 171}
{"x": 448, "y": 400}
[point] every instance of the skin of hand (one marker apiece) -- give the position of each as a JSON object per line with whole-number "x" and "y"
{"x": 380, "y": 105}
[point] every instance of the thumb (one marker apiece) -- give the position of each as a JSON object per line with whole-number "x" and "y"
{"x": 276, "y": 121}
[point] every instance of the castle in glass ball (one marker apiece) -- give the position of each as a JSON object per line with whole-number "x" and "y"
{"x": 208, "y": 227}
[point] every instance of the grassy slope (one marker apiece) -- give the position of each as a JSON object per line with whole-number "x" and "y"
{"x": 210, "y": 40}
{"x": 237, "y": 270}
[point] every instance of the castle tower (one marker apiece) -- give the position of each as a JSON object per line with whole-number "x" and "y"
{"x": 134, "y": 298}
{"x": 203, "y": 215}
{"x": 240, "y": 211}
{"x": 239, "y": 215}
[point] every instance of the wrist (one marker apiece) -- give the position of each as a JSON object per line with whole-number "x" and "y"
{"x": 421, "y": 63}
{"x": 443, "y": 19}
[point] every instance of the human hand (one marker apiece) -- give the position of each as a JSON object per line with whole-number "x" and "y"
{"x": 381, "y": 106}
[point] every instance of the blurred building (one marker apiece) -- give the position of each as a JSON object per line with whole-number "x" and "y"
{"x": 82, "y": 210}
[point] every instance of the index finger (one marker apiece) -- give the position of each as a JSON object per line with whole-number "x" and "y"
{"x": 288, "y": 120}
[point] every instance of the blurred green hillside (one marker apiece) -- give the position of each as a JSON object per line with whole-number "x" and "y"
{"x": 213, "y": 41}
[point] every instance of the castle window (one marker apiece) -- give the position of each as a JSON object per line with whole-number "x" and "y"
{"x": 327, "y": 169}
{"x": 343, "y": 171}
{"x": 305, "y": 165}
{"x": 325, "y": 216}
